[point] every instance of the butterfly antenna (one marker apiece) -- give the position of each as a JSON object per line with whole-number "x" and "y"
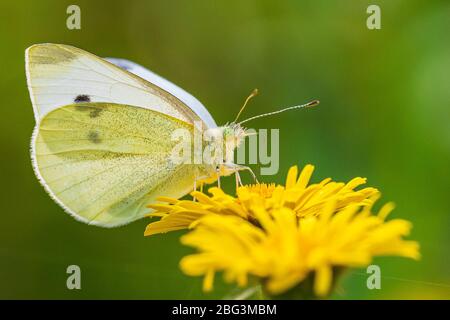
{"x": 254, "y": 93}
{"x": 306, "y": 105}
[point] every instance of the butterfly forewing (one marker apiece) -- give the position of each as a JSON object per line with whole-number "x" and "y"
{"x": 59, "y": 75}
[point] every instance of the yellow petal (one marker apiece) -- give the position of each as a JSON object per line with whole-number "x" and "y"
{"x": 322, "y": 282}
{"x": 208, "y": 281}
{"x": 291, "y": 177}
{"x": 385, "y": 210}
{"x": 305, "y": 176}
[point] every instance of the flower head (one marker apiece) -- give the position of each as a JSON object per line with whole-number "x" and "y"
{"x": 298, "y": 195}
{"x": 283, "y": 249}
{"x": 284, "y": 236}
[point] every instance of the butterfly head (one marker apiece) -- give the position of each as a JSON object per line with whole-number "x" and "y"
{"x": 234, "y": 133}
{"x": 223, "y": 141}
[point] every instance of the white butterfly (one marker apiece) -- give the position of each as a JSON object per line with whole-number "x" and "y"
{"x": 102, "y": 139}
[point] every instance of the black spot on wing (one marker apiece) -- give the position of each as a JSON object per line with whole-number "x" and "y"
{"x": 94, "y": 137}
{"x": 94, "y": 111}
{"x": 82, "y": 98}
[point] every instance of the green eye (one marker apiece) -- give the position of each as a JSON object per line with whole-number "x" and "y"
{"x": 227, "y": 132}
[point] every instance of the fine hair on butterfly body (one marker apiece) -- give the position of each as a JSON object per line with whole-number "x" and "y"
{"x": 102, "y": 141}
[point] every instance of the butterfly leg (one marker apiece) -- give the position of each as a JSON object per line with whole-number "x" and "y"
{"x": 242, "y": 168}
{"x": 195, "y": 189}
{"x": 218, "y": 177}
{"x": 235, "y": 168}
{"x": 238, "y": 180}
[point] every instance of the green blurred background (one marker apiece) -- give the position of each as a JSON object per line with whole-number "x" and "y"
{"x": 384, "y": 114}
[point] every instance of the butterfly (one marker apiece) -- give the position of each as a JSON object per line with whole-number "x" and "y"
{"x": 102, "y": 142}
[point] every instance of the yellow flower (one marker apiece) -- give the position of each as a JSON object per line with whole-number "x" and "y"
{"x": 282, "y": 250}
{"x": 298, "y": 195}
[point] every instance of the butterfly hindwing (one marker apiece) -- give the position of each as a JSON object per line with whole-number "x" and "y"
{"x": 104, "y": 162}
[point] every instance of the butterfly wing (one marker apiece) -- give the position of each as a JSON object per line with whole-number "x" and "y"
{"x": 59, "y": 75}
{"x": 104, "y": 162}
{"x": 168, "y": 86}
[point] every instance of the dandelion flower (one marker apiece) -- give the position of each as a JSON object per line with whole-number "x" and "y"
{"x": 284, "y": 248}
{"x": 297, "y": 194}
